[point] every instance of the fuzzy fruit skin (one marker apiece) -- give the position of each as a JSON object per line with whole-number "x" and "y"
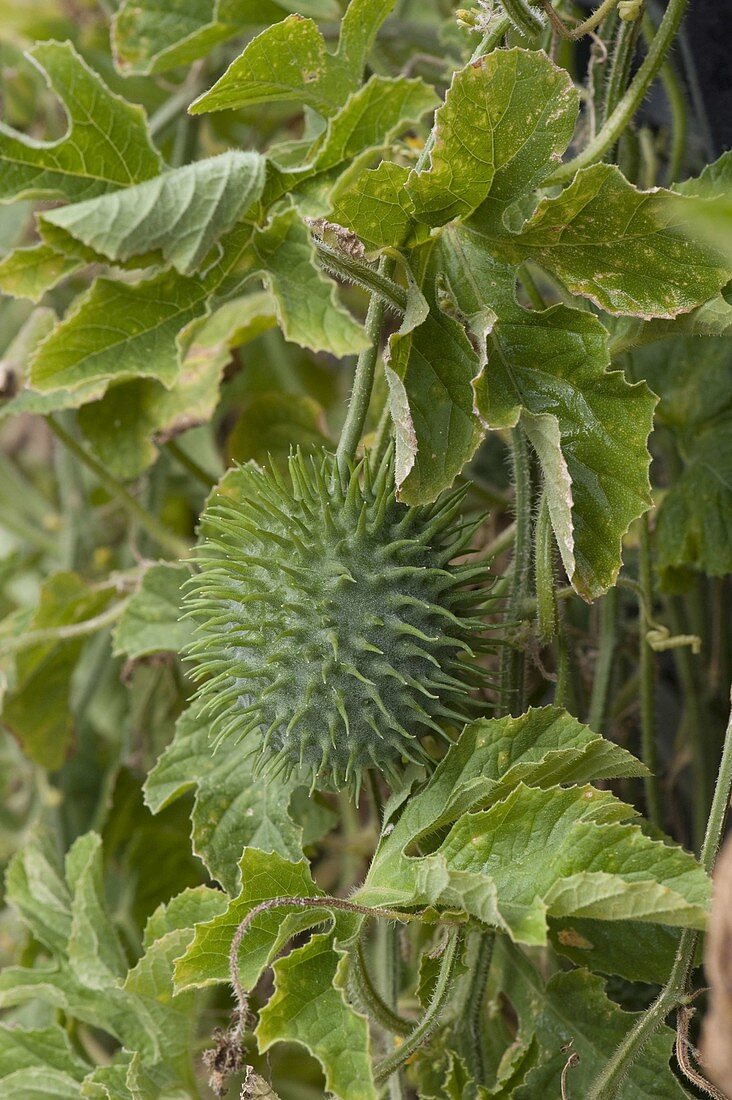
{"x": 332, "y": 630}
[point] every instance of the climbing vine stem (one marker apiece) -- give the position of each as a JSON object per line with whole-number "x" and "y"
{"x": 431, "y": 1019}
{"x": 649, "y": 750}
{"x": 621, "y": 116}
{"x": 363, "y": 380}
{"x": 512, "y": 670}
{"x": 608, "y": 1083}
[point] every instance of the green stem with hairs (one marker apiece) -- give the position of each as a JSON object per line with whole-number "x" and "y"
{"x": 363, "y": 381}
{"x": 583, "y": 28}
{"x": 622, "y": 114}
{"x": 431, "y": 1019}
{"x": 367, "y": 993}
{"x": 544, "y": 579}
{"x": 473, "y": 1015}
{"x": 610, "y": 1079}
{"x": 369, "y": 278}
{"x": 165, "y": 538}
{"x": 190, "y": 464}
{"x": 512, "y": 670}
{"x": 605, "y": 659}
{"x": 619, "y": 71}
{"x": 54, "y": 634}
{"x": 649, "y": 747}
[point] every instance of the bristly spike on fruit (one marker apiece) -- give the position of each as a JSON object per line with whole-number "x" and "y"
{"x": 361, "y": 655}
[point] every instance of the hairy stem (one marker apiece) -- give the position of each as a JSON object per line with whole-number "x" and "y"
{"x": 165, "y": 538}
{"x": 431, "y": 1019}
{"x": 605, "y": 660}
{"x": 284, "y": 902}
{"x": 363, "y": 382}
{"x": 611, "y": 1077}
{"x": 363, "y": 274}
{"x": 544, "y": 579}
{"x": 619, "y": 71}
{"x": 583, "y": 28}
{"x": 512, "y": 670}
{"x": 473, "y": 1016}
{"x": 649, "y": 748}
{"x": 190, "y": 464}
{"x": 53, "y": 634}
{"x": 370, "y": 997}
{"x": 622, "y": 114}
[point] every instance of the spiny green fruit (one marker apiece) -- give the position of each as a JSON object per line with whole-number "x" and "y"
{"x": 332, "y": 627}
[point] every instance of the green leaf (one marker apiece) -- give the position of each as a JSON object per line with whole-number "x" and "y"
{"x": 274, "y": 423}
{"x": 108, "y": 1082}
{"x": 37, "y": 889}
{"x": 134, "y": 419}
{"x": 308, "y": 1007}
{"x": 506, "y": 120}
{"x": 589, "y": 427}
{"x": 107, "y": 144}
{"x": 574, "y": 1008}
{"x": 206, "y": 198}
{"x": 375, "y": 206}
{"x": 93, "y": 949}
{"x": 174, "y": 1021}
{"x": 30, "y": 272}
{"x": 289, "y": 61}
{"x": 66, "y": 911}
{"x": 15, "y": 362}
{"x": 492, "y": 756}
{"x": 713, "y": 318}
{"x": 598, "y": 868}
{"x": 307, "y": 307}
{"x": 633, "y": 950}
{"x": 151, "y": 37}
{"x": 715, "y": 179}
{"x": 39, "y": 1064}
{"x": 624, "y": 249}
{"x": 264, "y": 875}
{"x": 120, "y": 330}
{"x": 36, "y": 708}
{"x": 430, "y": 369}
{"x": 694, "y": 528}
{"x": 232, "y": 808}
{"x": 371, "y": 116}
{"x": 151, "y": 622}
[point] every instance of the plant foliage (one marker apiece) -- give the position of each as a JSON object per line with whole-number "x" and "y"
{"x": 365, "y": 496}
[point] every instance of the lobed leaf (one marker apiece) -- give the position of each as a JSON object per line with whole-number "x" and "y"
{"x": 151, "y": 622}
{"x": 308, "y": 1007}
{"x": 182, "y": 212}
{"x": 264, "y": 875}
{"x": 150, "y": 36}
{"x": 430, "y": 367}
{"x": 589, "y": 427}
{"x": 573, "y": 1008}
{"x": 233, "y": 807}
{"x": 107, "y": 144}
{"x": 624, "y": 249}
{"x": 39, "y": 1063}
{"x": 506, "y": 120}
{"x": 289, "y": 61}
